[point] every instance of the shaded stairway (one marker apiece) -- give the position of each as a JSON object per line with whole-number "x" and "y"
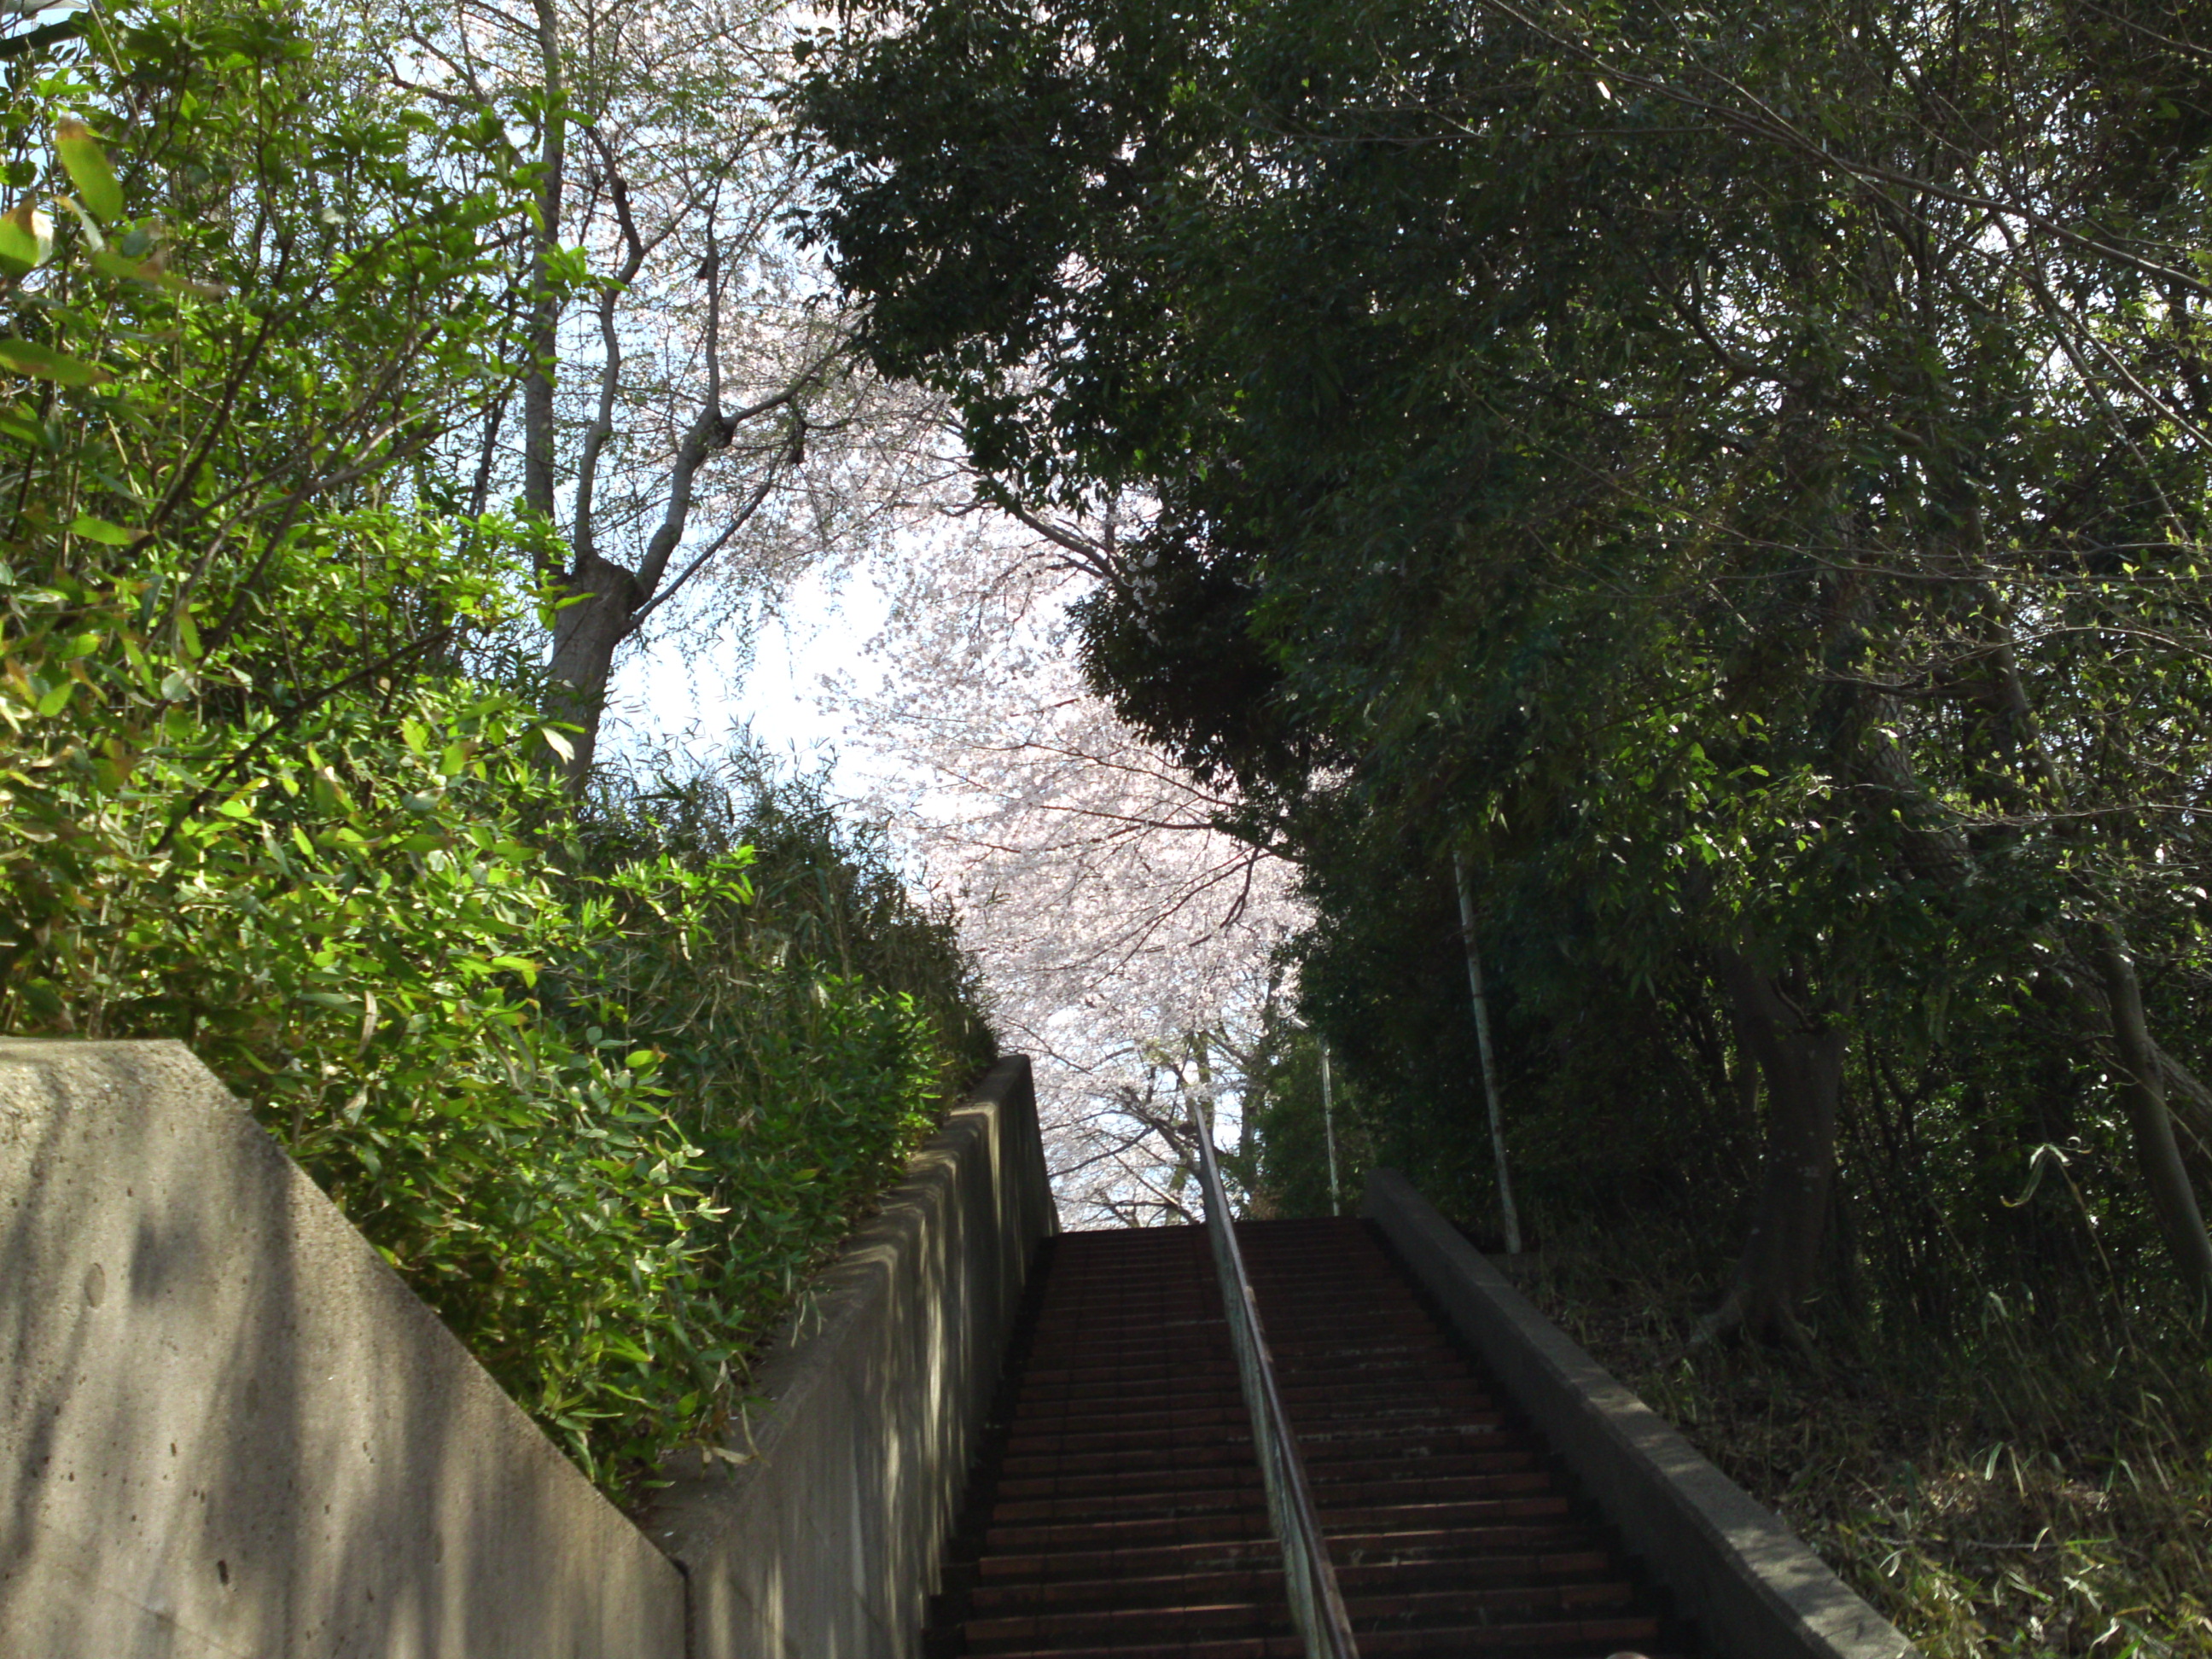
{"x": 1117, "y": 1508}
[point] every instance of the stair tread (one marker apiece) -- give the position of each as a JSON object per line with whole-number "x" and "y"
{"x": 1119, "y": 1512}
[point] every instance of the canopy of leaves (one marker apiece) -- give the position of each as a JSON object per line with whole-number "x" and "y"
{"x": 1740, "y": 474}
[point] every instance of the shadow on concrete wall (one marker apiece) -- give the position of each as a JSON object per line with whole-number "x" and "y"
{"x": 226, "y": 1427}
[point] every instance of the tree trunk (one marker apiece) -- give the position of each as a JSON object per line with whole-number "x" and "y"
{"x": 1801, "y": 1057}
{"x": 1506, "y": 1207}
{"x": 2144, "y": 1092}
{"x": 543, "y": 338}
{"x": 2155, "y": 1089}
{"x": 585, "y": 634}
{"x": 2187, "y": 1098}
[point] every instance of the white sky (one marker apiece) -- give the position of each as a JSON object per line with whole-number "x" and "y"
{"x": 823, "y": 629}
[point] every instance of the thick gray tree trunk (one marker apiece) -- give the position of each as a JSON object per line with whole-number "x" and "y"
{"x": 585, "y": 636}
{"x": 1800, "y": 1055}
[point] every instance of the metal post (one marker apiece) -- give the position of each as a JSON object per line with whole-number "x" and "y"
{"x": 1329, "y": 1130}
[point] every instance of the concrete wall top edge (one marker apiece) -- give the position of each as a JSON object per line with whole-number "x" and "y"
{"x": 815, "y": 1532}
{"x": 813, "y": 1343}
{"x": 1758, "y": 1591}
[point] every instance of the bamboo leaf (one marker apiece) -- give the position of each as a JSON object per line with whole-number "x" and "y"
{"x": 108, "y": 535}
{"x": 24, "y": 357}
{"x": 89, "y": 170}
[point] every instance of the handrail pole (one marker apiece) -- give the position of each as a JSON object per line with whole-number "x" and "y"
{"x": 1317, "y": 1604}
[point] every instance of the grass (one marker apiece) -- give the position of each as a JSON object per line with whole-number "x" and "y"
{"x": 2033, "y": 1485}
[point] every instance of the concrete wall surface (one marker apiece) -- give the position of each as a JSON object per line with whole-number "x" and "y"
{"x": 1754, "y": 1589}
{"x": 823, "y": 1542}
{"x": 228, "y": 1428}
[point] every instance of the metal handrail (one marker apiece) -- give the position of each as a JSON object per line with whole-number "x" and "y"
{"x": 1317, "y": 1604}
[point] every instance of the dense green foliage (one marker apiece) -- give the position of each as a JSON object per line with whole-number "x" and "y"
{"x": 1735, "y": 476}
{"x": 601, "y": 1082}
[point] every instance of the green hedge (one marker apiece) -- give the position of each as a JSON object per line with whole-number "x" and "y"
{"x": 602, "y": 1083}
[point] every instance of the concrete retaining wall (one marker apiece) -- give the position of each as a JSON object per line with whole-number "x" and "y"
{"x": 824, "y": 1542}
{"x": 1755, "y": 1590}
{"x": 228, "y": 1428}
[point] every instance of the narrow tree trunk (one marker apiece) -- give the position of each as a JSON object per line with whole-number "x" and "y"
{"x": 2144, "y": 1092}
{"x": 2187, "y": 1098}
{"x": 585, "y": 635}
{"x": 544, "y": 311}
{"x": 1801, "y": 1057}
{"x": 1512, "y": 1215}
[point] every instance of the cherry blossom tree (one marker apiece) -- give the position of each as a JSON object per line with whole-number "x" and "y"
{"x": 693, "y": 433}
{"x": 1131, "y": 944}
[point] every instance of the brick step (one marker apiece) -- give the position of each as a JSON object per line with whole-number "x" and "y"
{"x": 1254, "y": 1582}
{"x": 1087, "y": 1368}
{"x": 1101, "y": 1395}
{"x": 1294, "y": 1340}
{"x": 1202, "y": 1616}
{"x": 1382, "y": 1518}
{"x": 1126, "y": 1506}
{"x": 1198, "y": 1429}
{"x": 1332, "y": 1402}
{"x": 1352, "y": 1393}
{"x": 1564, "y": 1639}
{"x": 1059, "y": 1402}
{"x": 1315, "y": 1435}
{"x": 1325, "y": 1457}
{"x": 1135, "y": 1289}
{"x": 1059, "y": 1313}
{"x": 1171, "y": 1474}
{"x": 1345, "y": 1408}
{"x": 1058, "y": 1399}
{"x": 1189, "y": 1292}
{"x": 1102, "y": 1331}
{"x": 1114, "y": 1377}
{"x": 1348, "y": 1549}
{"x": 1118, "y": 1512}
{"x": 1104, "y": 1431}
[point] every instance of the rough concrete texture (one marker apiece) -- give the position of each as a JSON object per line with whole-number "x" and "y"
{"x": 228, "y": 1428}
{"x": 1755, "y": 1590}
{"x": 823, "y": 1542}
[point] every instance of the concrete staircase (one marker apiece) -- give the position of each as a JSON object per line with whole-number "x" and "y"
{"x": 1117, "y": 1511}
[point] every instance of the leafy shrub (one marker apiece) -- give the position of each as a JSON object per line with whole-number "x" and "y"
{"x": 603, "y": 1119}
{"x": 600, "y": 1104}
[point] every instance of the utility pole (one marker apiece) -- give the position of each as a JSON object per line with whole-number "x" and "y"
{"x": 1482, "y": 1042}
{"x": 1328, "y": 1129}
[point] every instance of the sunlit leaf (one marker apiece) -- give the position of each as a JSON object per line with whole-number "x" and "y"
{"x": 108, "y": 535}
{"x": 89, "y": 170}
{"x": 112, "y": 263}
{"x": 25, "y": 357}
{"x": 86, "y": 223}
{"x": 27, "y": 238}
